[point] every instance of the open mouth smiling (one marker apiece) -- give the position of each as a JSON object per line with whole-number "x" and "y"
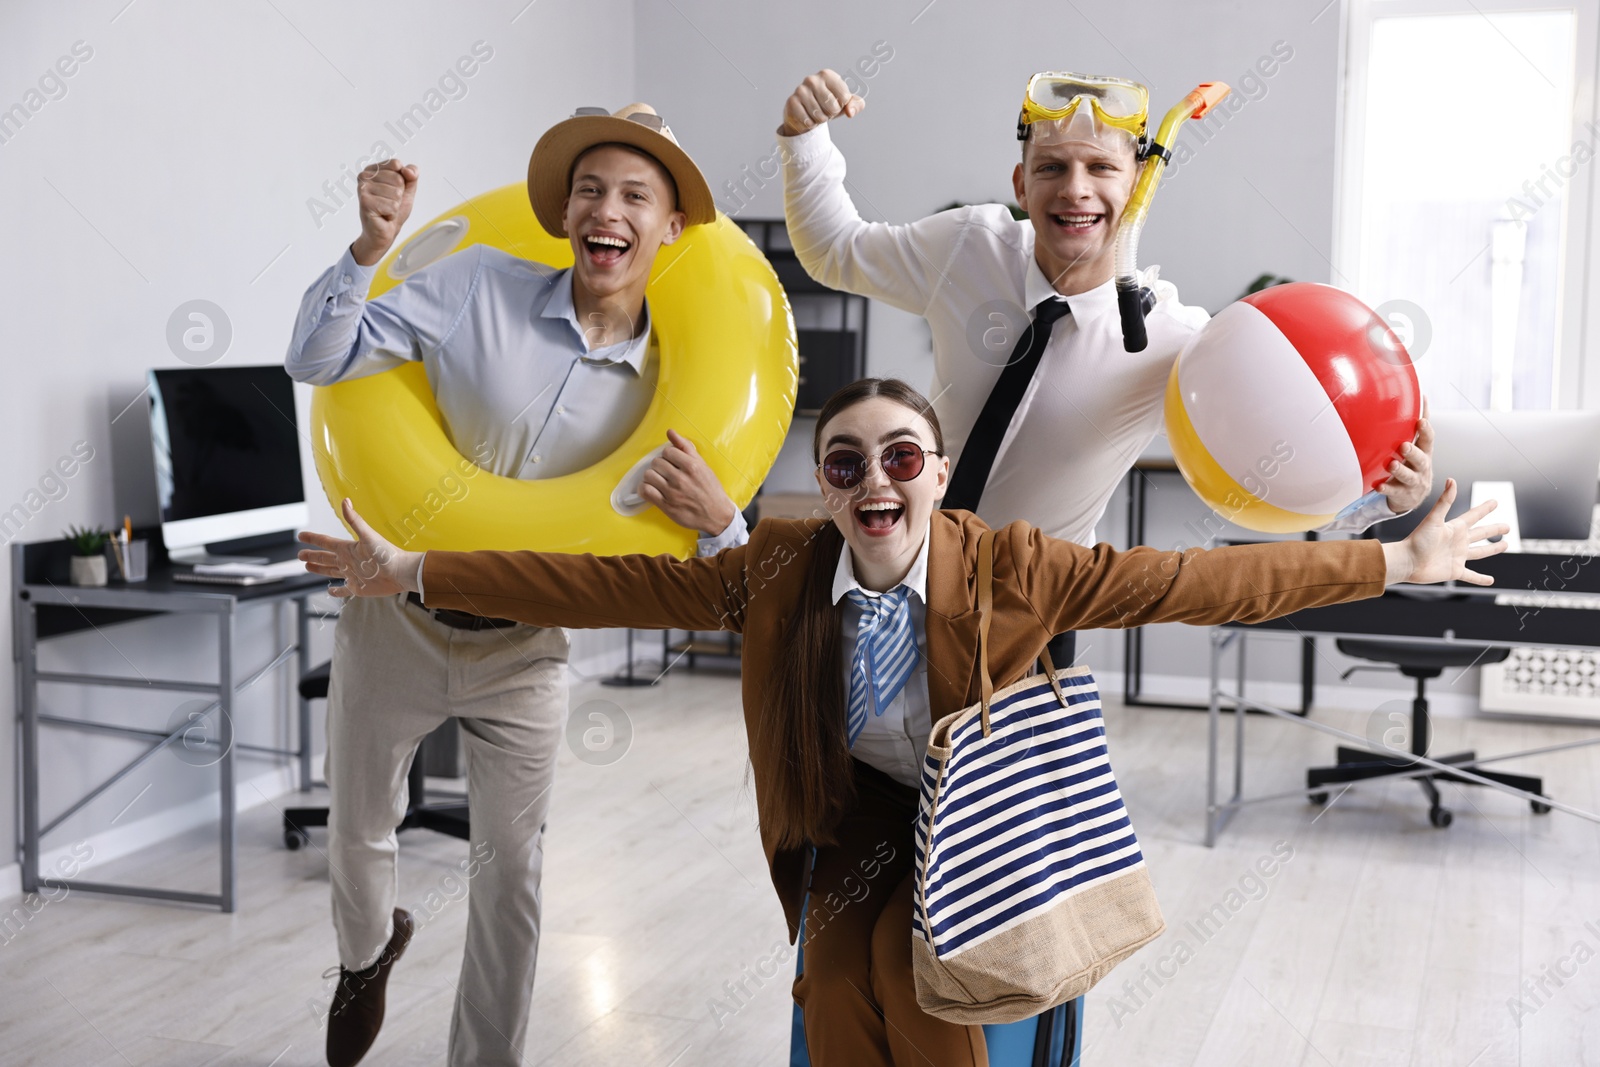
{"x": 879, "y": 518}
{"x": 1077, "y": 223}
{"x": 605, "y": 249}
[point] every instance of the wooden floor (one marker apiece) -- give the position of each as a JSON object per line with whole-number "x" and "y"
{"x": 1378, "y": 940}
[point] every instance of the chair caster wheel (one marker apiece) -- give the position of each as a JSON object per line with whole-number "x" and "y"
{"x": 1318, "y": 799}
{"x": 1538, "y": 808}
{"x": 1440, "y": 817}
{"x": 294, "y": 840}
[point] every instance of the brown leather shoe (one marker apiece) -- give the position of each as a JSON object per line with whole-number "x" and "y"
{"x": 357, "y": 1010}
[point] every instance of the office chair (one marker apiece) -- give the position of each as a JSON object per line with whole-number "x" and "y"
{"x": 1421, "y": 662}
{"x": 446, "y": 818}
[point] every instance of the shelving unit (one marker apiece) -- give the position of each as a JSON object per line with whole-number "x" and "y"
{"x": 831, "y": 332}
{"x": 720, "y": 645}
{"x": 830, "y": 326}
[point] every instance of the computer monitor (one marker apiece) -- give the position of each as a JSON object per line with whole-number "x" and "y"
{"x": 1552, "y": 457}
{"x": 227, "y": 457}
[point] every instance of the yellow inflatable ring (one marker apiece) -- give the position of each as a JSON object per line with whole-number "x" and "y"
{"x": 727, "y": 381}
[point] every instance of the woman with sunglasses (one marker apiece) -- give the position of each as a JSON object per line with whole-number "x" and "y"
{"x": 860, "y": 633}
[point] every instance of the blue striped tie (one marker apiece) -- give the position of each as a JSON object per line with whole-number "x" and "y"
{"x": 886, "y": 654}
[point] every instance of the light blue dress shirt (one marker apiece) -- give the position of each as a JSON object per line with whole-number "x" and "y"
{"x": 896, "y": 741}
{"x": 521, "y": 393}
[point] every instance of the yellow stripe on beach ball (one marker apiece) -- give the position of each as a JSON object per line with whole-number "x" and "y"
{"x": 1232, "y": 501}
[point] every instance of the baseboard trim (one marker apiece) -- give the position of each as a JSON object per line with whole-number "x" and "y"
{"x": 598, "y": 666}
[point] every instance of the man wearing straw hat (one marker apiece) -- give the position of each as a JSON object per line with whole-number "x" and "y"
{"x": 538, "y": 373}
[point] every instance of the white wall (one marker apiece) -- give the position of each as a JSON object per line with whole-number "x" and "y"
{"x": 178, "y": 165}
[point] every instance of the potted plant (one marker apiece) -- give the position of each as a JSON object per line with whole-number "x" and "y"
{"x": 1265, "y": 281}
{"x": 89, "y": 554}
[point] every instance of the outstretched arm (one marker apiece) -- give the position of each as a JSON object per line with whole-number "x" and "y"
{"x": 1075, "y": 588}
{"x": 540, "y": 588}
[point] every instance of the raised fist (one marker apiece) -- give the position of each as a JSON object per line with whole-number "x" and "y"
{"x": 385, "y": 192}
{"x": 822, "y": 96}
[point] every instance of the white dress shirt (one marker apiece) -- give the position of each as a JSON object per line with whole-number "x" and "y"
{"x": 1091, "y": 407}
{"x": 521, "y": 393}
{"x": 896, "y": 741}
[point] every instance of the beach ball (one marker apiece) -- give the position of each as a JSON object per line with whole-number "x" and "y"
{"x": 1289, "y": 406}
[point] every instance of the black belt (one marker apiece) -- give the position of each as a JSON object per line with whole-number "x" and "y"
{"x": 460, "y": 620}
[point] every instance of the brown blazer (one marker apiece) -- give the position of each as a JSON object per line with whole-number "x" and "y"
{"x": 1042, "y": 587}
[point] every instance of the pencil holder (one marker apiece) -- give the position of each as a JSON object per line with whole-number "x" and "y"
{"x": 135, "y": 563}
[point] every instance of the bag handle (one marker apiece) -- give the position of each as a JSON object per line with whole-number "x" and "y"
{"x": 985, "y": 610}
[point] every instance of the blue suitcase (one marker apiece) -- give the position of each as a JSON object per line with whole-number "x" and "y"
{"x": 1054, "y": 1039}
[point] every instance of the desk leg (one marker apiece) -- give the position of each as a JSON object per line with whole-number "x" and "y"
{"x": 1214, "y": 724}
{"x": 1239, "y": 716}
{"x": 302, "y": 640}
{"x": 1133, "y": 639}
{"x": 1308, "y": 673}
{"x": 26, "y": 621}
{"x": 225, "y": 766}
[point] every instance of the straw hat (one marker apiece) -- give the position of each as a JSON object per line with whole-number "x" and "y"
{"x": 550, "y": 166}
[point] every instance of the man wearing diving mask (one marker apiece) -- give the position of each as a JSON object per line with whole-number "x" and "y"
{"x": 1032, "y": 379}
{"x": 1070, "y": 408}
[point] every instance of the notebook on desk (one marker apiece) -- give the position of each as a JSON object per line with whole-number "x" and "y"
{"x": 241, "y": 573}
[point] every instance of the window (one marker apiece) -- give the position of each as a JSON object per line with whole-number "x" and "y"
{"x": 1467, "y": 168}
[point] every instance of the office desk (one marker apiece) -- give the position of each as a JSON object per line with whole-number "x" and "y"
{"x": 1133, "y": 639}
{"x": 44, "y": 604}
{"x": 1495, "y": 615}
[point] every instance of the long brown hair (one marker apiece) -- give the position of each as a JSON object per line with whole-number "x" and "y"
{"x": 803, "y": 734}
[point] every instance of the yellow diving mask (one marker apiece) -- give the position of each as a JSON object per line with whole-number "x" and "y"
{"x": 1053, "y": 110}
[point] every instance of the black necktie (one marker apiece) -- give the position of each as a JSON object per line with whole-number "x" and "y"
{"x": 983, "y": 444}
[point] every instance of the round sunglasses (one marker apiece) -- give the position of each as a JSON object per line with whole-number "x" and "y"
{"x": 844, "y": 468}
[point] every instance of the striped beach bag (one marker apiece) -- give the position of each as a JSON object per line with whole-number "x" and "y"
{"x": 1030, "y": 885}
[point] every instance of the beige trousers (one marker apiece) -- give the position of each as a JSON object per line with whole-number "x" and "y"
{"x": 397, "y": 674}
